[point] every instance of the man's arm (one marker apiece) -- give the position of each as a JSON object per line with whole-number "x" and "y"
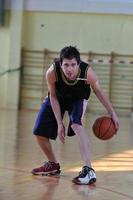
{"x": 50, "y": 77}
{"x": 92, "y": 79}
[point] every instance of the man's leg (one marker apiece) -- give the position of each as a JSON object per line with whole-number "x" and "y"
{"x": 83, "y": 142}
{"x": 51, "y": 166}
{"x": 87, "y": 175}
{"x": 45, "y": 129}
{"x": 46, "y": 147}
{"x": 76, "y": 116}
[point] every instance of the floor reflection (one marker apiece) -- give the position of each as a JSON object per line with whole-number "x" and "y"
{"x": 19, "y": 153}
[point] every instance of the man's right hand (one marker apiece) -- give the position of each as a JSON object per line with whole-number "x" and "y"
{"x": 61, "y": 133}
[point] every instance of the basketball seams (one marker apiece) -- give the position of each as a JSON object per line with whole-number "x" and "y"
{"x": 108, "y": 128}
{"x": 100, "y": 127}
{"x": 96, "y": 126}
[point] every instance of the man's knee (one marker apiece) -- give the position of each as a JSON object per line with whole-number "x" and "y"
{"x": 42, "y": 138}
{"x": 76, "y": 128}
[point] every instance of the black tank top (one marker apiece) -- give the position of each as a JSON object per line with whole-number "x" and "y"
{"x": 70, "y": 91}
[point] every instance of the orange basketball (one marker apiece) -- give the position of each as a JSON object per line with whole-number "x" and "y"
{"x": 104, "y": 128}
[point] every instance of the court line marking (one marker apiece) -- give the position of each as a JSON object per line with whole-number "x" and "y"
{"x": 119, "y": 193}
{"x": 66, "y": 178}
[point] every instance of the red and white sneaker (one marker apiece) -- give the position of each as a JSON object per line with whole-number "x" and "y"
{"x": 49, "y": 168}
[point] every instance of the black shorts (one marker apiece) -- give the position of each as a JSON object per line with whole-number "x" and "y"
{"x": 46, "y": 124}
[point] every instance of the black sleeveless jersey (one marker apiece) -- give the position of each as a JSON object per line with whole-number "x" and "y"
{"x": 70, "y": 91}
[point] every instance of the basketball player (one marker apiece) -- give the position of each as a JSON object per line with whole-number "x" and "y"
{"x": 69, "y": 82}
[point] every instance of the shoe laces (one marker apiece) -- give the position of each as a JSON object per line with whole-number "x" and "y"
{"x": 84, "y": 171}
{"x": 47, "y": 165}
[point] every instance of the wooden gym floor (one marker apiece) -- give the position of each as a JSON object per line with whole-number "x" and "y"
{"x": 19, "y": 153}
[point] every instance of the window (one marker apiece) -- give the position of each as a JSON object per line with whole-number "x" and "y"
{"x": 82, "y": 6}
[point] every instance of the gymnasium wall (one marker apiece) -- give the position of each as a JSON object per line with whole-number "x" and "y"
{"x": 10, "y": 59}
{"x": 96, "y": 32}
{"x": 4, "y": 44}
{"x": 37, "y": 30}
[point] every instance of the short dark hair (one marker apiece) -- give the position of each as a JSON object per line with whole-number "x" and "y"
{"x": 69, "y": 52}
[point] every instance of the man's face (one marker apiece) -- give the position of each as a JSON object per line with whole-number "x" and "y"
{"x": 70, "y": 68}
